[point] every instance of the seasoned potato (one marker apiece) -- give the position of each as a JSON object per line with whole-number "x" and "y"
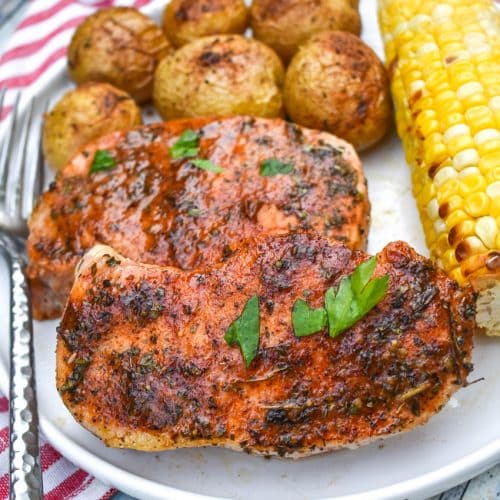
{"x": 218, "y": 76}
{"x": 83, "y": 114}
{"x": 185, "y": 20}
{"x": 286, "y": 24}
{"x": 118, "y": 45}
{"x": 337, "y": 83}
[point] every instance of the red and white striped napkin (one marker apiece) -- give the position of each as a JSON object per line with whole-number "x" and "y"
{"x": 61, "y": 479}
{"x": 34, "y": 54}
{"x": 37, "y": 49}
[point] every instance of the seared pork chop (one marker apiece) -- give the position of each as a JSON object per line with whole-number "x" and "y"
{"x": 153, "y": 209}
{"x": 142, "y": 361}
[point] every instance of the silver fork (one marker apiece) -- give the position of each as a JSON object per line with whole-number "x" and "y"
{"x": 21, "y": 181}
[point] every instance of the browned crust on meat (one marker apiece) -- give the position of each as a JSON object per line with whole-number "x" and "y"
{"x": 142, "y": 363}
{"x": 168, "y": 212}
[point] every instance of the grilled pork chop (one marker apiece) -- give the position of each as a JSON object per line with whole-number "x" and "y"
{"x": 142, "y": 361}
{"x": 153, "y": 209}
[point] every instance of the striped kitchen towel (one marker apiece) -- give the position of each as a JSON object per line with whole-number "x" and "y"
{"x": 61, "y": 479}
{"x": 37, "y": 49}
{"x": 34, "y": 54}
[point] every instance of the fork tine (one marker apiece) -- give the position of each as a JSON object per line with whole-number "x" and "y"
{"x": 6, "y": 148}
{"x": 35, "y": 166}
{"x": 17, "y": 167}
{"x": 2, "y": 98}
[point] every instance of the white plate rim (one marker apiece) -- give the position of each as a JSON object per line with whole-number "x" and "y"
{"x": 132, "y": 484}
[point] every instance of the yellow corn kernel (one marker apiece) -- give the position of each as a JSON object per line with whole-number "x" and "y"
{"x": 449, "y": 260}
{"x": 460, "y": 231}
{"x": 455, "y": 218}
{"x": 477, "y": 204}
{"x": 471, "y": 183}
{"x": 479, "y": 118}
{"x": 487, "y": 230}
{"x": 450, "y": 66}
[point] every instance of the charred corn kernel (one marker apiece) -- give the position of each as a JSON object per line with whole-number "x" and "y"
{"x": 460, "y": 231}
{"x": 451, "y": 203}
{"x": 445, "y": 82}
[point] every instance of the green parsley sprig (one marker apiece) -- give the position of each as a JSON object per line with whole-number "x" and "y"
{"x": 356, "y": 295}
{"x": 273, "y": 166}
{"x": 245, "y": 330}
{"x": 188, "y": 146}
{"x": 103, "y": 160}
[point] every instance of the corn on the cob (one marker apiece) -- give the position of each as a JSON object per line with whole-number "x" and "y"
{"x": 443, "y": 58}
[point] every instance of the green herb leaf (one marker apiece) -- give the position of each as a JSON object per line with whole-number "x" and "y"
{"x": 195, "y": 212}
{"x": 355, "y": 297}
{"x": 362, "y": 274}
{"x": 186, "y": 146}
{"x": 273, "y": 166}
{"x": 207, "y": 165}
{"x": 245, "y": 330}
{"x": 306, "y": 320}
{"x": 103, "y": 160}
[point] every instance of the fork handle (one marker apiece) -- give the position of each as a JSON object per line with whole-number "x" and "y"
{"x": 25, "y": 471}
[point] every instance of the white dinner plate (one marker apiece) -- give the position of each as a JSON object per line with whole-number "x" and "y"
{"x": 459, "y": 442}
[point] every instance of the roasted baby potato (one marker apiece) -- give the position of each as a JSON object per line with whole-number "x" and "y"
{"x": 217, "y": 76}
{"x": 337, "y": 83}
{"x": 186, "y": 20}
{"x": 118, "y": 45}
{"x": 286, "y": 24}
{"x": 84, "y": 114}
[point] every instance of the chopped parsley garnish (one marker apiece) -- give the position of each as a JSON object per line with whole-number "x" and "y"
{"x": 307, "y": 321}
{"x": 273, "y": 166}
{"x": 103, "y": 160}
{"x": 207, "y": 165}
{"x": 187, "y": 146}
{"x": 245, "y": 330}
{"x": 195, "y": 212}
{"x": 355, "y": 297}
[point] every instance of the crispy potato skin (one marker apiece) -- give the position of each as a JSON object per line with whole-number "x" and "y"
{"x": 219, "y": 75}
{"x": 186, "y": 20}
{"x": 337, "y": 83}
{"x": 284, "y": 25}
{"x": 118, "y": 45}
{"x": 84, "y": 114}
